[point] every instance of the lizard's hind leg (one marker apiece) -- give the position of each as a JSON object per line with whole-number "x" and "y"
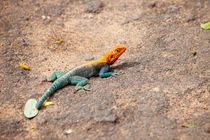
{"x": 80, "y": 82}
{"x": 54, "y": 76}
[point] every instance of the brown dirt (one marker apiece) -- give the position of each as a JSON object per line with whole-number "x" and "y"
{"x": 161, "y": 86}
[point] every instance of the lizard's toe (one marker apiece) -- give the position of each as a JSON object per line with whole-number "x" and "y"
{"x": 81, "y": 88}
{"x": 114, "y": 74}
{"x": 87, "y": 89}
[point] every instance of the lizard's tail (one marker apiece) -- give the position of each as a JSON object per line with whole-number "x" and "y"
{"x": 55, "y": 86}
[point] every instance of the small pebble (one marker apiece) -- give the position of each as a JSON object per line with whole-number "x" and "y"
{"x": 67, "y": 132}
{"x": 190, "y": 17}
{"x": 173, "y": 8}
{"x": 151, "y": 4}
{"x": 42, "y": 58}
{"x": 136, "y": 17}
{"x": 4, "y": 51}
{"x": 27, "y": 19}
{"x": 122, "y": 5}
{"x": 60, "y": 23}
{"x": 197, "y": 5}
{"x": 167, "y": 17}
{"x": 21, "y": 41}
{"x": 43, "y": 17}
{"x": 81, "y": 39}
{"x": 93, "y": 6}
{"x": 42, "y": 121}
{"x": 126, "y": 21}
{"x": 47, "y": 21}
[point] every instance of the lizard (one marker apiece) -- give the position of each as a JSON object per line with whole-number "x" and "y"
{"x": 79, "y": 75}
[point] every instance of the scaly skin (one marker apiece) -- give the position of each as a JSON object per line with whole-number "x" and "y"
{"x": 78, "y": 76}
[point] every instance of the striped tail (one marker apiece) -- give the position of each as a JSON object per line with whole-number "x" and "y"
{"x": 55, "y": 86}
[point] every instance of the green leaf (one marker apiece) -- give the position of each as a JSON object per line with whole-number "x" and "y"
{"x": 206, "y": 26}
{"x": 30, "y": 109}
{"x": 190, "y": 126}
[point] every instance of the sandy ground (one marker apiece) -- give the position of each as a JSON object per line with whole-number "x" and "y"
{"x": 161, "y": 87}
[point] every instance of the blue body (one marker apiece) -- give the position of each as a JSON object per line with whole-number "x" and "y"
{"x": 76, "y": 76}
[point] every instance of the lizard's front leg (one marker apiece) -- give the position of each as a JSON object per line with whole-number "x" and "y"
{"x": 104, "y": 72}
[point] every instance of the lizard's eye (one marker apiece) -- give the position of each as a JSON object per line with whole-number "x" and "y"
{"x": 117, "y": 50}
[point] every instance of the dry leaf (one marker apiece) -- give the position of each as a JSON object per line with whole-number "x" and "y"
{"x": 190, "y": 126}
{"x": 47, "y": 103}
{"x": 168, "y": 20}
{"x": 24, "y": 67}
{"x": 58, "y": 42}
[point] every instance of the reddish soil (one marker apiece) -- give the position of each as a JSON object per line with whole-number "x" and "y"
{"x": 161, "y": 87}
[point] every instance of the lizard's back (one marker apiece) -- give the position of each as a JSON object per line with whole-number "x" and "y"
{"x": 87, "y": 70}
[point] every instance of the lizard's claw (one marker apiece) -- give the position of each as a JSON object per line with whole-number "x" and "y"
{"x": 42, "y": 78}
{"x": 81, "y": 88}
{"x": 87, "y": 89}
{"x": 114, "y": 73}
{"x": 47, "y": 78}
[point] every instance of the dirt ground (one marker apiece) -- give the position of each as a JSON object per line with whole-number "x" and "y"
{"x": 161, "y": 87}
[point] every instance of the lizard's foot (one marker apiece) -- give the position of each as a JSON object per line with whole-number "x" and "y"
{"x": 49, "y": 79}
{"x": 115, "y": 73}
{"x": 41, "y": 78}
{"x": 77, "y": 88}
{"x": 54, "y": 76}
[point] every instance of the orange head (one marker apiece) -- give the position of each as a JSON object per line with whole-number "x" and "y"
{"x": 113, "y": 54}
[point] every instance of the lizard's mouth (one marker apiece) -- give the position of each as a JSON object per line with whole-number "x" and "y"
{"x": 123, "y": 50}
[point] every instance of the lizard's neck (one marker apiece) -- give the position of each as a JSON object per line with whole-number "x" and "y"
{"x": 105, "y": 59}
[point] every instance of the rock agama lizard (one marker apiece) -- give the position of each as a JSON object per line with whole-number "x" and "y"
{"x": 78, "y": 75}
